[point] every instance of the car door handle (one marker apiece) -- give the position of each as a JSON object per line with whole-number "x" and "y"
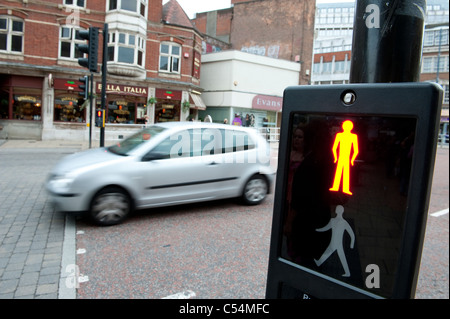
{"x": 213, "y": 163}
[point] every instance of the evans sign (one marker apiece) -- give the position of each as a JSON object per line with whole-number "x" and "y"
{"x": 267, "y": 103}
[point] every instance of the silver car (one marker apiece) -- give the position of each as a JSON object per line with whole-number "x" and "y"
{"x": 163, "y": 165}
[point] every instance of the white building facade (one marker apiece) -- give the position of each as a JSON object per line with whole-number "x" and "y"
{"x": 239, "y": 83}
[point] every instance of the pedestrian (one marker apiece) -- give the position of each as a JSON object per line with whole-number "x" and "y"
{"x": 237, "y": 120}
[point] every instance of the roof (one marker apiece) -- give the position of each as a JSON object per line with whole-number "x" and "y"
{"x": 173, "y": 13}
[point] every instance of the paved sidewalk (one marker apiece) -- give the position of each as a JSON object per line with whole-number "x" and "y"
{"x": 33, "y": 237}
{"x": 54, "y": 144}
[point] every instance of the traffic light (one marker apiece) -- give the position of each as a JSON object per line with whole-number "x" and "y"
{"x": 84, "y": 87}
{"x": 100, "y": 118}
{"x": 91, "y": 49}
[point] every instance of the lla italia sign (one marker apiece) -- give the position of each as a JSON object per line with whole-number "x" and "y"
{"x": 352, "y": 190}
{"x": 123, "y": 89}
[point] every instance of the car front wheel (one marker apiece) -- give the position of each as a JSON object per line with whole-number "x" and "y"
{"x": 110, "y": 206}
{"x": 255, "y": 190}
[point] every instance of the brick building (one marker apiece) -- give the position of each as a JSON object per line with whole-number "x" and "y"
{"x": 153, "y": 55}
{"x": 281, "y": 29}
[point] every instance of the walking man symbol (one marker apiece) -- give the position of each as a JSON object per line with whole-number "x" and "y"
{"x": 338, "y": 226}
{"x": 345, "y": 140}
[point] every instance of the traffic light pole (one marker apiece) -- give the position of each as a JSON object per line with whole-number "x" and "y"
{"x": 104, "y": 71}
{"x": 91, "y": 108}
{"x": 387, "y": 41}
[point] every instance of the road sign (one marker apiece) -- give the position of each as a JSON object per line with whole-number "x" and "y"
{"x": 351, "y": 200}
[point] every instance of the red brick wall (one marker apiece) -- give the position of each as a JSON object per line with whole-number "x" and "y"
{"x": 281, "y": 29}
{"x": 328, "y": 57}
{"x": 223, "y": 22}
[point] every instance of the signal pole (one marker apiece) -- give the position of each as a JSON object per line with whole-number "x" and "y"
{"x": 104, "y": 71}
{"x": 387, "y": 41}
{"x": 91, "y": 109}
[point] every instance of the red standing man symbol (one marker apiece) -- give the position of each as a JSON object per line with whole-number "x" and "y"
{"x": 346, "y": 141}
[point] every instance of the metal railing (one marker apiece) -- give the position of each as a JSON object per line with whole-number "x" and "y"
{"x": 271, "y": 134}
{"x": 443, "y": 140}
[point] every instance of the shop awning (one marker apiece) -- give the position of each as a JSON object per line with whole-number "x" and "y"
{"x": 197, "y": 102}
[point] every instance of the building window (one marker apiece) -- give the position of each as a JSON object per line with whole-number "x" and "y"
{"x": 68, "y": 38}
{"x": 429, "y": 64}
{"x": 433, "y": 37}
{"x": 446, "y": 95}
{"x": 77, "y": 3}
{"x": 138, "y": 6}
{"x": 11, "y": 35}
{"x": 169, "y": 58}
{"x": 126, "y": 48}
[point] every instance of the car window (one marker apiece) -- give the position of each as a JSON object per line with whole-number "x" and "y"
{"x": 127, "y": 145}
{"x": 177, "y": 145}
{"x": 202, "y": 142}
{"x": 235, "y": 141}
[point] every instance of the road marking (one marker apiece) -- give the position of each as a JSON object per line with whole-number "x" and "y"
{"x": 440, "y": 213}
{"x": 188, "y": 294}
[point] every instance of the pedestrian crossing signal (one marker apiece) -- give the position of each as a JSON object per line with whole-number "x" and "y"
{"x": 100, "y": 118}
{"x": 346, "y": 141}
{"x": 352, "y": 191}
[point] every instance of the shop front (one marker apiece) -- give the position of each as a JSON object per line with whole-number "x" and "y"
{"x": 168, "y": 106}
{"x": 21, "y": 106}
{"x": 125, "y": 104}
{"x": 257, "y": 111}
{"x": 68, "y": 104}
{"x": 50, "y": 108}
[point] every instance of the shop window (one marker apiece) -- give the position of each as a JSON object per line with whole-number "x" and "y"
{"x": 69, "y": 108}
{"x": 27, "y": 104}
{"x": 77, "y": 3}
{"x": 68, "y": 38}
{"x": 138, "y": 6}
{"x": 121, "y": 112}
{"x": 11, "y": 35}
{"x": 169, "y": 58}
{"x": 167, "y": 111}
{"x": 4, "y": 104}
{"x": 141, "y": 113}
{"x": 126, "y": 48}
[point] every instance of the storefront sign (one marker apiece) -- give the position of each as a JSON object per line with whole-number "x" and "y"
{"x": 66, "y": 84}
{"x": 25, "y": 98}
{"x": 123, "y": 89}
{"x": 197, "y": 63}
{"x": 168, "y": 94}
{"x": 267, "y": 103}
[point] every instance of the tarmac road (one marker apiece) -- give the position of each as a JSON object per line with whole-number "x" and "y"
{"x": 211, "y": 250}
{"x": 219, "y": 250}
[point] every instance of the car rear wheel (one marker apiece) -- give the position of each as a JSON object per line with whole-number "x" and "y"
{"x": 110, "y": 206}
{"x": 255, "y": 190}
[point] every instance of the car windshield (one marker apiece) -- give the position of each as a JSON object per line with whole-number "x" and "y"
{"x": 134, "y": 141}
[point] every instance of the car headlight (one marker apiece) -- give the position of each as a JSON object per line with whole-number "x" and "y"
{"x": 61, "y": 183}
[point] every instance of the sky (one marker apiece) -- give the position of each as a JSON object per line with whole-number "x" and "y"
{"x": 191, "y": 7}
